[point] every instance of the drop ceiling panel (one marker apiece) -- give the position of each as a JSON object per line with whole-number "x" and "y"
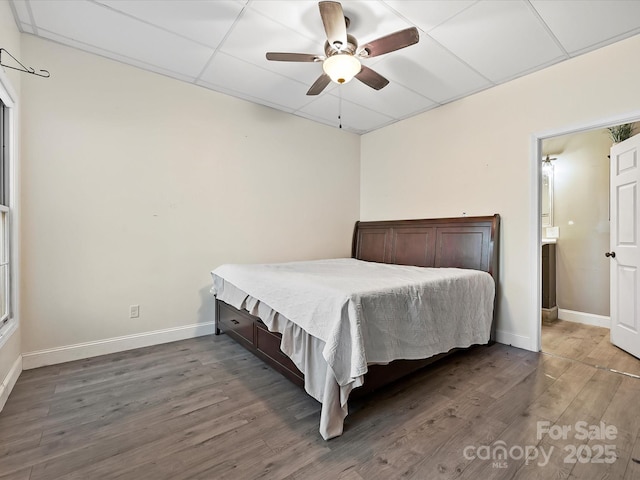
{"x": 203, "y": 22}
{"x": 119, "y": 58}
{"x": 302, "y": 17}
{"x": 361, "y": 119}
{"x": 252, "y": 81}
{"x": 368, "y": 19}
{"x": 499, "y": 39}
{"x": 371, "y": 20}
{"x": 583, "y": 24}
{"x": 93, "y": 24}
{"x": 432, "y": 71}
{"x": 256, "y": 35}
{"x": 354, "y": 117}
{"x": 428, "y": 15}
{"x": 394, "y": 100}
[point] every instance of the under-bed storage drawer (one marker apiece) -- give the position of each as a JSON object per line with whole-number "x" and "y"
{"x": 252, "y": 334}
{"x": 269, "y": 344}
{"x": 235, "y": 322}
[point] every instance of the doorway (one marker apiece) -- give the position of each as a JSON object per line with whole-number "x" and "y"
{"x": 579, "y": 331}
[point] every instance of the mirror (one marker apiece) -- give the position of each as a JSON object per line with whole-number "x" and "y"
{"x": 547, "y": 193}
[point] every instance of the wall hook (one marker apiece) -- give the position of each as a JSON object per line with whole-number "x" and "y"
{"x": 39, "y": 73}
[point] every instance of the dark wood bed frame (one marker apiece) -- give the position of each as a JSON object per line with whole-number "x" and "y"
{"x": 464, "y": 242}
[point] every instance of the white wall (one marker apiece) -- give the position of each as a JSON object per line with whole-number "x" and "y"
{"x": 10, "y": 348}
{"x": 475, "y": 156}
{"x": 135, "y": 186}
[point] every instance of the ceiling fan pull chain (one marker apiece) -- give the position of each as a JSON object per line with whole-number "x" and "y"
{"x": 339, "y": 106}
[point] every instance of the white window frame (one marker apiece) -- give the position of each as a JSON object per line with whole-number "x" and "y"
{"x": 10, "y": 100}
{"x": 5, "y": 261}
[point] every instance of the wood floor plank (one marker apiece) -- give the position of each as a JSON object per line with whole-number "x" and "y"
{"x": 405, "y": 452}
{"x": 226, "y": 452}
{"x": 107, "y": 412}
{"x": 169, "y": 437}
{"x": 135, "y": 397}
{"x": 545, "y": 466}
{"x": 235, "y": 464}
{"x": 21, "y": 475}
{"x": 121, "y": 463}
{"x": 506, "y": 378}
{"x": 33, "y": 394}
{"x": 593, "y": 466}
{"x": 622, "y": 411}
{"x": 633, "y": 466}
{"x": 448, "y": 460}
{"x": 555, "y": 400}
{"x": 520, "y": 434}
{"x": 516, "y": 401}
{"x": 20, "y": 443}
{"x": 121, "y": 452}
{"x": 590, "y": 404}
{"x": 284, "y": 463}
{"x": 588, "y": 344}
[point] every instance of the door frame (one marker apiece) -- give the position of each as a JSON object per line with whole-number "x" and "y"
{"x": 535, "y": 222}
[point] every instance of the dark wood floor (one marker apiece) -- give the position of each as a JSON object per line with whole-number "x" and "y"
{"x": 206, "y": 409}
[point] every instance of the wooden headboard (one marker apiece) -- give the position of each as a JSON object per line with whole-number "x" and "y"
{"x": 464, "y": 242}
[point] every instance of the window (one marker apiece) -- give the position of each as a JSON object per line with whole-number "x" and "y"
{"x": 5, "y": 218}
{"x": 9, "y": 244}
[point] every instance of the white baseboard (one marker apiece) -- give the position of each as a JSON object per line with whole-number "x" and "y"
{"x": 53, "y": 356}
{"x": 585, "y": 318}
{"x": 518, "y": 341}
{"x": 9, "y": 381}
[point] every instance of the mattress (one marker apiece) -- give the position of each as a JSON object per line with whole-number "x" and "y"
{"x": 338, "y": 316}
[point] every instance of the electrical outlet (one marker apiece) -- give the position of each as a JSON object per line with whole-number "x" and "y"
{"x": 134, "y": 311}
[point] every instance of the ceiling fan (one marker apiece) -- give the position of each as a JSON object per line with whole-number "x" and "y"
{"x": 341, "y": 61}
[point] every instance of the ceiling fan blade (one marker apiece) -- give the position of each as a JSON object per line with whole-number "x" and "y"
{"x": 319, "y": 85}
{"x": 389, "y": 43}
{"x": 372, "y": 78}
{"x": 293, "y": 57}
{"x": 334, "y": 23}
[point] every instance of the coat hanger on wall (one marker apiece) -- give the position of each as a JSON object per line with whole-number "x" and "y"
{"x": 39, "y": 73}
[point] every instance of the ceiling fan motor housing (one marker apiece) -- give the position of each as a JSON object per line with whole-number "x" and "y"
{"x": 350, "y": 48}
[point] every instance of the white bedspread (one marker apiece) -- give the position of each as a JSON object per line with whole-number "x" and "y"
{"x": 362, "y": 313}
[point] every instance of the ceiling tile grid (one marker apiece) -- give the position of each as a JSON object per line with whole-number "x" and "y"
{"x": 465, "y": 46}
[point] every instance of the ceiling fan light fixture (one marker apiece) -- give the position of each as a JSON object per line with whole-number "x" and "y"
{"x": 341, "y": 67}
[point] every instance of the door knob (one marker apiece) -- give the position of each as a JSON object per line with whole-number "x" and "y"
{"x": 610, "y": 254}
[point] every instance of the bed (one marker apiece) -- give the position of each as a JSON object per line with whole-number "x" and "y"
{"x": 344, "y": 327}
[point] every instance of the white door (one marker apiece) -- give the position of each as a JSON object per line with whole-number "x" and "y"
{"x": 625, "y": 245}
